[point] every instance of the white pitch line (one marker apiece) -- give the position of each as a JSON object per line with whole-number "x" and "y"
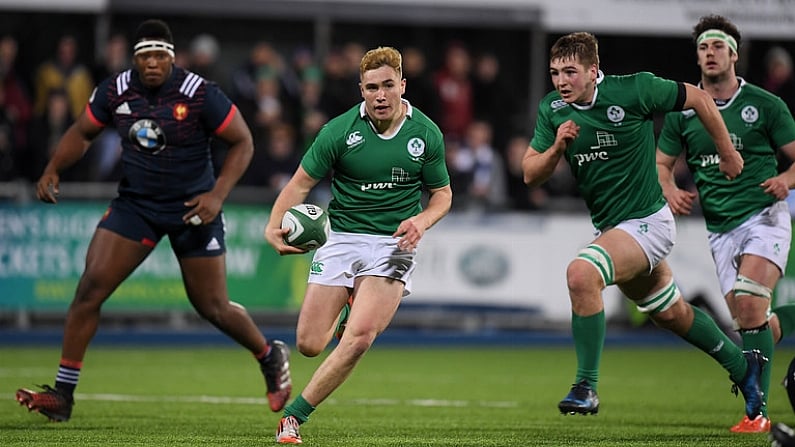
{"x": 226, "y": 400}
{"x": 25, "y": 372}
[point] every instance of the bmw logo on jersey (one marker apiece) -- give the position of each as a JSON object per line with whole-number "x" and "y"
{"x": 147, "y": 136}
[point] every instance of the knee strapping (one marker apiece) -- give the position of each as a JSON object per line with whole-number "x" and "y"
{"x": 747, "y": 286}
{"x": 660, "y": 300}
{"x": 599, "y": 258}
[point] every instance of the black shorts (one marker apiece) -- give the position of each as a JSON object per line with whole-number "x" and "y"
{"x": 138, "y": 222}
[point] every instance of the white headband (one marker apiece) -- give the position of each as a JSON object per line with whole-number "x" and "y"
{"x": 717, "y": 34}
{"x": 153, "y": 45}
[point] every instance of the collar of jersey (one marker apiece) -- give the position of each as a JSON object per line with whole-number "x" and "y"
{"x": 600, "y": 76}
{"x": 734, "y": 96}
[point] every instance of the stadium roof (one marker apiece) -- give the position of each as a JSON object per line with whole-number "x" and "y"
{"x": 757, "y": 19}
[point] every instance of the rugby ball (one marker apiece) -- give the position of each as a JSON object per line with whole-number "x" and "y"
{"x": 308, "y": 224}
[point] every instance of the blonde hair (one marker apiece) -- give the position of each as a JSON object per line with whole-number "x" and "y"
{"x": 379, "y": 57}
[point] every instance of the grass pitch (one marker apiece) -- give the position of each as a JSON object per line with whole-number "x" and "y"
{"x": 214, "y": 396}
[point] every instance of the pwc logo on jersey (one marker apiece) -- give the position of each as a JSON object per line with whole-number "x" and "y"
{"x": 354, "y": 139}
{"x": 398, "y": 176}
{"x": 598, "y": 151}
{"x": 147, "y": 136}
{"x": 714, "y": 159}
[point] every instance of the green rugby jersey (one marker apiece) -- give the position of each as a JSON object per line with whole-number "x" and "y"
{"x": 377, "y": 182}
{"x": 759, "y": 123}
{"x": 613, "y": 158}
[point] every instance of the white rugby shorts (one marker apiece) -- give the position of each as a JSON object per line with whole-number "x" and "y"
{"x": 346, "y": 256}
{"x": 655, "y": 233}
{"x": 766, "y": 234}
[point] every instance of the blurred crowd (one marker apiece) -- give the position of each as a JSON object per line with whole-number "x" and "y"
{"x": 286, "y": 99}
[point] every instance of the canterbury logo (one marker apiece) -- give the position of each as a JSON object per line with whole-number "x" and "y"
{"x": 354, "y": 138}
{"x": 316, "y": 268}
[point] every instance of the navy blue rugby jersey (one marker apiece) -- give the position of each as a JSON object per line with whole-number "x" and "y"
{"x": 165, "y": 132}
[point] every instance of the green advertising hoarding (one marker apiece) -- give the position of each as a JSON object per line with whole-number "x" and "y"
{"x": 43, "y": 247}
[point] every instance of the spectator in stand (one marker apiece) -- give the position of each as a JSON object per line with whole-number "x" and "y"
{"x": 779, "y": 79}
{"x": 64, "y": 73}
{"x": 302, "y": 61}
{"x": 493, "y": 100}
{"x": 115, "y": 57}
{"x": 780, "y": 76}
{"x": 487, "y": 191}
{"x": 419, "y": 84}
{"x": 182, "y": 55}
{"x": 105, "y": 151}
{"x": 275, "y": 159}
{"x": 271, "y": 109}
{"x": 338, "y": 91}
{"x": 310, "y": 92}
{"x": 311, "y": 122}
{"x": 460, "y": 165}
{"x": 269, "y": 105}
{"x": 454, "y": 88}
{"x": 204, "y": 52}
{"x": 245, "y": 77}
{"x": 47, "y": 130}
{"x": 559, "y": 193}
{"x": 16, "y": 106}
{"x": 8, "y": 166}
{"x": 352, "y": 53}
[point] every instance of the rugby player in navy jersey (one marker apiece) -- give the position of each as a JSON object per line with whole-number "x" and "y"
{"x": 165, "y": 116}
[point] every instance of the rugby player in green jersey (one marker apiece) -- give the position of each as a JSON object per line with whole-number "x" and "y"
{"x": 603, "y": 127}
{"x": 383, "y": 152}
{"x": 748, "y": 220}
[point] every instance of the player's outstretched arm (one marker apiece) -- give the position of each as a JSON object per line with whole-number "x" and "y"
{"x": 731, "y": 162}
